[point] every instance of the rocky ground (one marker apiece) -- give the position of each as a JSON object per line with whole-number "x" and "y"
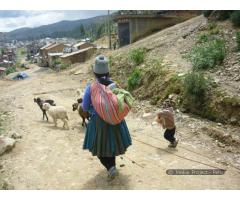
{"x": 52, "y": 158}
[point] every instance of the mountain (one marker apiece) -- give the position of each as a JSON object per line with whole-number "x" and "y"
{"x": 63, "y": 28}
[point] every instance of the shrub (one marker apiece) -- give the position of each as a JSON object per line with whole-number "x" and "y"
{"x": 207, "y": 13}
{"x": 10, "y": 70}
{"x": 195, "y": 86}
{"x": 154, "y": 68}
{"x": 136, "y": 56}
{"x": 224, "y": 14}
{"x": 235, "y": 18}
{"x": 64, "y": 66}
{"x": 202, "y": 38}
{"x": 56, "y": 62}
{"x": 134, "y": 79}
{"x": 238, "y": 40}
{"x": 213, "y": 28}
{"x": 207, "y": 55}
{"x": 110, "y": 61}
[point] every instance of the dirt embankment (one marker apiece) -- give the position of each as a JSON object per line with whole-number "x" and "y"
{"x": 165, "y": 64}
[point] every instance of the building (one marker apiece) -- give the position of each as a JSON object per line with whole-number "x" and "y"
{"x": 53, "y": 58}
{"x": 83, "y": 45}
{"x": 49, "y": 49}
{"x": 133, "y": 26}
{"x": 52, "y": 48}
{"x": 43, "y": 50}
{"x": 78, "y": 56}
{"x": 32, "y": 49}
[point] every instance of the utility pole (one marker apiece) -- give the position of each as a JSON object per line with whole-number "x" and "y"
{"x": 109, "y": 31}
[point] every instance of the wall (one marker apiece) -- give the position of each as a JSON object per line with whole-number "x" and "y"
{"x": 142, "y": 26}
{"x": 80, "y": 57}
{"x": 85, "y": 45}
{"x": 58, "y": 49}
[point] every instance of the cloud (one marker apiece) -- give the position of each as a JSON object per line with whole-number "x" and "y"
{"x": 14, "y": 19}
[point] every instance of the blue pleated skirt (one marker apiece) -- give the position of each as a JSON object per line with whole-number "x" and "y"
{"x": 106, "y": 140}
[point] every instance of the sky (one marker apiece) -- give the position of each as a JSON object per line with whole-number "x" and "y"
{"x": 14, "y": 19}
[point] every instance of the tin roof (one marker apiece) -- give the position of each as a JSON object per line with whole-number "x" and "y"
{"x": 46, "y": 46}
{"x": 55, "y": 54}
{"x": 76, "y": 52}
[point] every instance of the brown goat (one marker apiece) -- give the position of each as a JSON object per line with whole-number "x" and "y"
{"x": 84, "y": 115}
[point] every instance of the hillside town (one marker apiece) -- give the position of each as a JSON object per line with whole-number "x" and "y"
{"x": 174, "y": 77}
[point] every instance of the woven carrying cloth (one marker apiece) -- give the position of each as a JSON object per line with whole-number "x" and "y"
{"x": 105, "y": 103}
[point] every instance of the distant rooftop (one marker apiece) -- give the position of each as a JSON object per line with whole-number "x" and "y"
{"x": 76, "y": 52}
{"x": 47, "y": 45}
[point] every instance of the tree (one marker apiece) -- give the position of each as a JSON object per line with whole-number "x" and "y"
{"x": 82, "y": 31}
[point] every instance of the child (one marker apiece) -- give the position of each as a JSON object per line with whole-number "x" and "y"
{"x": 166, "y": 119}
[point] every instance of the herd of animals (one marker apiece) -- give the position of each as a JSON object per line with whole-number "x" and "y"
{"x": 48, "y": 106}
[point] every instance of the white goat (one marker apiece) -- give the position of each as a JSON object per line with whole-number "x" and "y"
{"x": 57, "y": 112}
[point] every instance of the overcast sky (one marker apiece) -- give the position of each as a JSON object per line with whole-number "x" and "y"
{"x": 14, "y": 19}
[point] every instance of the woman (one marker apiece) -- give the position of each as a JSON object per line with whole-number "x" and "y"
{"x": 104, "y": 140}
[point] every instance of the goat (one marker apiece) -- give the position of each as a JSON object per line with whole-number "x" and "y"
{"x": 40, "y": 103}
{"x": 57, "y": 112}
{"x": 84, "y": 115}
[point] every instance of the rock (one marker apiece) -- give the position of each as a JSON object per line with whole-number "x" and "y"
{"x": 219, "y": 124}
{"x": 6, "y": 144}
{"x": 233, "y": 120}
{"x": 154, "y": 123}
{"x": 147, "y": 115}
{"x": 181, "y": 74}
{"x": 221, "y": 145}
{"x": 16, "y": 136}
{"x": 183, "y": 110}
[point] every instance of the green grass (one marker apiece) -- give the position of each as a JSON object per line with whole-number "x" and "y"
{"x": 208, "y": 54}
{"x": 136, "y": 56}
{"x": 195, "y": 85}
{"x": 64, "y": 66}
{"x": 134, "y": 79}
{"x": 10, "y": 70}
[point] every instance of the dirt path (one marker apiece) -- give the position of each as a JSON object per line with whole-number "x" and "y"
{"x": 52, "y": 158}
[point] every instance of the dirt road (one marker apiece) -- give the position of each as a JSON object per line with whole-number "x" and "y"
{"x": 52, "y": 158}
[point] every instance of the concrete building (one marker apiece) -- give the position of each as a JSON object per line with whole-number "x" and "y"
{"x": 132, "y": 27}
{"x": 78, "y": 56}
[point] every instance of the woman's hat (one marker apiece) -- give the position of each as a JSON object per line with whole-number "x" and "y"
{"x": 101, "y": 65}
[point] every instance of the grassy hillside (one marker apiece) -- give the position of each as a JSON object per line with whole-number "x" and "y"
{"x": 182, "y": 64}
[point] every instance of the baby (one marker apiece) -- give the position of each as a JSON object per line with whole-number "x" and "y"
{"x": 165, "y": 118}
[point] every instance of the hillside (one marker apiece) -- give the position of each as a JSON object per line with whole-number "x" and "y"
{"x": 63, "y": 27}
{"x": 161, "y": 74}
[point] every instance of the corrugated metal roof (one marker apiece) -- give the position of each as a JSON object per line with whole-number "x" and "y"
{"x": 47, "y": 45}
{"x": 79, "y": 44}
{"x": 76, "y": 52}
{"x": 54, "y": 45}
{"x": 55, "y": 54}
